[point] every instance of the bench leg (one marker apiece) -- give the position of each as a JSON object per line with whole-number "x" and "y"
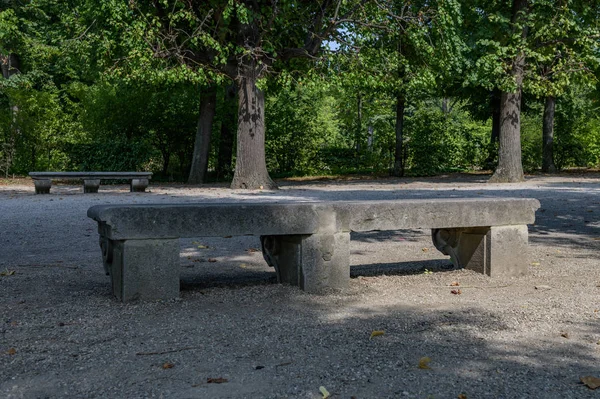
{"x": 138, "y": 185}
{"x": 142, "y": 269}
{"x": 91, "y": 185}
{"x": 42, "y": 186}
{"x": 315, "y": 263}
{"x": 495, "y": 251}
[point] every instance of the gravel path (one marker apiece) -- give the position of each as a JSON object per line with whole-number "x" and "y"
{"x": 235, "y": 333}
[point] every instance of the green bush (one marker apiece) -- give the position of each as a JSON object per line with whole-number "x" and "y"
{"x": 440, "y": 142}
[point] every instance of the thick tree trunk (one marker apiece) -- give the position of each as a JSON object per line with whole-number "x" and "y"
{"x": 226, "y": 138}
{"x": 203, "y": 132}
{"x": 510, "y": 168}
{"x": 250, "y": 165}
{"x": 399, "y": 153}
{"x": 548, "y": 136}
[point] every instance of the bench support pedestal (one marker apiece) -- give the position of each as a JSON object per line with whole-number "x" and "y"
{"x": 315, "y": 263}
{"x": 91, "y": 185}
{"x": 138, "y": 185}
{"x": 42, "y": 186}
{"x": 495, "y": 251}
{"x": 142, "y": 269}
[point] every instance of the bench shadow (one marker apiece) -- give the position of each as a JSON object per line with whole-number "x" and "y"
{"x": 206, "y": 279}
{"x": 401, "y": 268}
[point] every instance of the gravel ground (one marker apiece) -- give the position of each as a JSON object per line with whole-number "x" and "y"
{"x": 236, "y": 333}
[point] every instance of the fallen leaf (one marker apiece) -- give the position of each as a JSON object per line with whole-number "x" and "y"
{"x": 376, "y": 333}
{"x": 252, "y": 250}
{"x": 168, "y": 365}
{"x": 424, "y": 249}
{"x": 454, "y": 284}
{"x": 260, "y": 187}
{"x": 11, "y": 351}
{"x": 212, "y": 260}
{"x": 424, "y": 363}
{"x": 535, "y": 263}
{"x": 324, "y": 392}
{"x": 218, "y": 380}
{"x": 596, "y": 239}
{"x": 243, "y": 265}
{"x": 591, "y": 382}
{"x": 462, "y": 396}
{"x": 456, "y": 292}
{"x": 202, "y": 247}
{"x": 7, "y": 272}
{"x": 564, "y": 335}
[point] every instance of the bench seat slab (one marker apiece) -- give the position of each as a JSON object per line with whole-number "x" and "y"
{"x": 143, "y": 269}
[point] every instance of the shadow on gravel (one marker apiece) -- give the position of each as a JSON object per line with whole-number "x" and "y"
{"x": 194, "y": 280}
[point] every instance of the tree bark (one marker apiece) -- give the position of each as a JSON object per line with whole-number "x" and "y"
{"x": 491, "y": 160}
{"x": 548, "y": 136}
{"x": 399, "y": 153}
{"x": 510, "y": 168}
{"x": 226, "y": 138}
{"x": 250, "y": 165}
{"x": 358, "y": 133}
{"x": 203, "y": 132}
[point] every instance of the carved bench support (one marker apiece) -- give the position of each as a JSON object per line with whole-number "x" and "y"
{"x": 138, "y": 185}
{"x": 42, "y": 186}
{"x": 142, "y": 269}
{"x": 91, "y": 185}
{"x": 314, "y": 262}
{"x": 493, "y": 250}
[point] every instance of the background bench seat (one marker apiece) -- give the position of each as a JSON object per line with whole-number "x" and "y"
{"x": 138, "y": 181}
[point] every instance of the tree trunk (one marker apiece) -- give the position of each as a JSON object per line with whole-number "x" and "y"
{"x": 399, "y": 154}
{"x": 10, "y": 65}
{"x": 491, "y": 160}
{"x": 203, "y": 132}
{"x": 226, "y": 138}
{"x": 250, "y": 165}
{"x": 548, "y": 136}
{"x": 510, "y": 168}
{"x": 358, "y": 122}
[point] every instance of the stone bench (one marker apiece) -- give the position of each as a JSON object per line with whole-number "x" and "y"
{"x": 138, "y": 181}
{"x": 307, "y": 243}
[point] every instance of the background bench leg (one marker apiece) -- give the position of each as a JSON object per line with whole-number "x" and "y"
{"x": 91, "y": 185}
{"x": 144, "y": 269}
{"x": 315, "y": 263}
{"x": 138, "y": 185}
{"x": 495, "y": 251}
{"x": 42, "y": 186}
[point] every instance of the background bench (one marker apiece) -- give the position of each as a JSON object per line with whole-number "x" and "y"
{"x": 138, "y": 181}
{"x": 307, "y": 243}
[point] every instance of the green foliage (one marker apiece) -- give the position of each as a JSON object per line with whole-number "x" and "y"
{"x": 301, "y": 120}
{"x": 531, "y": 139}
{"x": 110, "y": 156}
{"x": 442, "y": 142}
